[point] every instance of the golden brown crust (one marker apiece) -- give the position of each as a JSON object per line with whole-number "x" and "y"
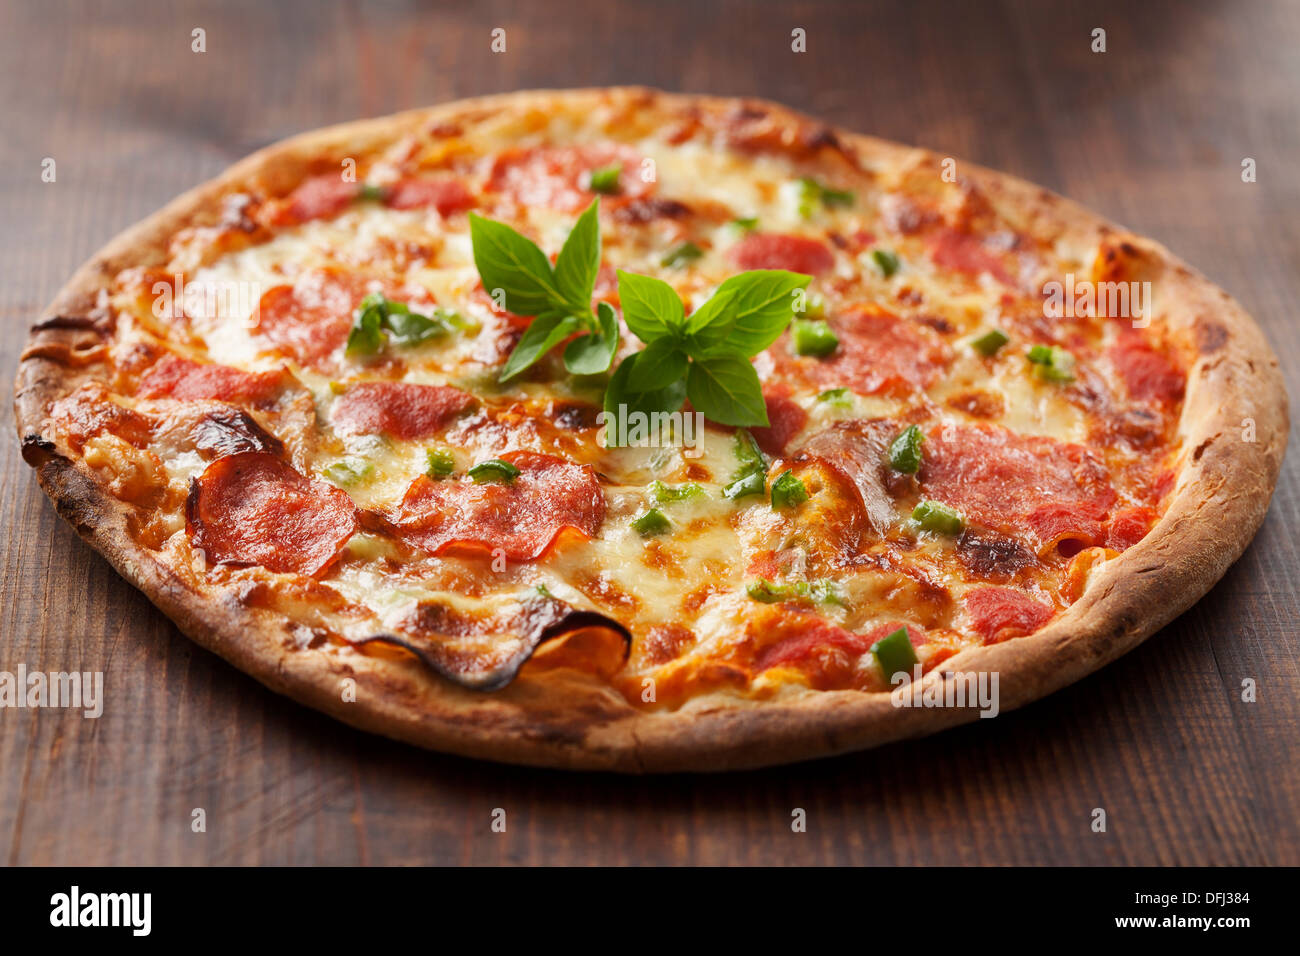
{"x": 564, "y": 719}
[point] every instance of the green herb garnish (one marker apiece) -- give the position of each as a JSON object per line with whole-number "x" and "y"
{"x": 379, "y": 320}
{"x": 751, "y": 477}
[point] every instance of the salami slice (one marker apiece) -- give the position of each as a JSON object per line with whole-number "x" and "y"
{"x": 398, "y": 409}
{"x": 768, "y": 250}
{"x": 175, "y": 377}
{"x": 521, "y": 518}
{"x": 559, "y": 177}
{"x": 253, "y": 509}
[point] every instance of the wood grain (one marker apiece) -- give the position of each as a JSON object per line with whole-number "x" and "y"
{"x": 1151, "y": 133}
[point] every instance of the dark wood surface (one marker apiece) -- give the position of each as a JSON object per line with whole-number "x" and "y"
{"x": 1151, "y": 133}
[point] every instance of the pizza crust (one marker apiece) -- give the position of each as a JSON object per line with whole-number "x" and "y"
{"x": 561, "y": 718}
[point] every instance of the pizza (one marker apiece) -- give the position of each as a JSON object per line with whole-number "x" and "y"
{"x": 615, "y": 429}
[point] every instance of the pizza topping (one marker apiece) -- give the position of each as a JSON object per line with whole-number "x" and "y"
{"x": 856, "y": 449}
{"x": 990, "y": 342}
{"x": 997, "y": 614}
{"x": 878, "y": 353}
{"x": 486, "y": 652}
{"x": 939, "y": 518}
{"x": 765, "y": 250}
{"x": 751, "y": 477}
{"x": 1003, "y": 480}
{"x": 522, "y": 517}
{"x": 310, "y": 320}
{"x": 320, "y": 197}
{"x": 799, "y": 592}
{"x": 895, "y": 654}
{"x": 90, "y": 411}
{"x": 1051, "y": 364}
{"x": 252, "y": 508}
{"x": 228, "y": 431}
{"x": 397, "y": 409}
{"x": 180, "y": 378}
{"x": 814, "y": 195}
{"x": 788, "y": 491}
{"x": 560, "y": 177}
{"x": 966, "y": 252}
{"x": 905, "y": 451}
{"x": 886, "y": 261}
{"x": 494, "y": 469}
{"x": 445, "y": 195}
{"x": 379, "y": 321}
{"x": 1149, "y": 376}
{"x": 786, "y": 419}
{"x": 680, "y": 255}
{"x": 651, "y": 524}
{"x": 813, "y": 337}
{"x": 1129, "y": 526}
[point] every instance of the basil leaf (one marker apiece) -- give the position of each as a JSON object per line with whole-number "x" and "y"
{"x": 726, "y": 389}
{"x": 510, "y": 262}
{"x": 618, "y": 393}
{"x": 763, "y": 303}
{"x": 708, "y": 325}
{"x": 594, "y": 353}
{"x": 658, "y": 365}
{"x": 411, "y": 328}
{"x": 547, "y": 331}
{"x": 651, "y": 308}
{"x": 579, "y": 260}
{"x": 367, "y": 334}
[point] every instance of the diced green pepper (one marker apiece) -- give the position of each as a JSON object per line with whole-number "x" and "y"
{"x": 788, "y": 491}
{"x": 933, "y": 516}
{"x": 905, "y": 452}
{"x": 681, "y": 254}
{"x": 494, "y": 469}
{"x": 605, "y": 179}
{"x": 440, "y": 463}
{"x": 813, "y": 337}
{"x": 989, "y": 343}
{"x": 886, "y": 261}
{"x": 665, "y": 494}
{"x": 651, "y": 523}
{"x": 895, "y": 653}
{"x": 349, "y": 471}
{"x": 1051, "y": 364}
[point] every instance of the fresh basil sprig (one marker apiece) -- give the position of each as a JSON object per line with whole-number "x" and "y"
{"x": 558, "y": 298}
{"x": 704, "y": 356}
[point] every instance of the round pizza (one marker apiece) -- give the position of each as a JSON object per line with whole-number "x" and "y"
{"x": 616, "y": 429}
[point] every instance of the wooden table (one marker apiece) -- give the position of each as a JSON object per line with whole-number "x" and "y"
{"x": 1151, "y": 132}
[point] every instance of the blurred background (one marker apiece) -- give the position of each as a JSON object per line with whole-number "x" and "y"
{"x": 1152, "y": 133}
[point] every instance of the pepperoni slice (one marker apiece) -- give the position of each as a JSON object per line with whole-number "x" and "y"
{"x": 1129, "y": 526}
{"x": 813, "y": 637}
{"x": 1003, "y": 480}
{"x": 997, "y": 614}
{"x": 827, "y": 654}
{"x": 253, "y": 509}
{"x": 180, "y": 378}
{"x": 445, "y": 195}
{"x": 770, "y": 250}
{"x": 966, "y": 252}
{"x": 787, "y": 418}
{"x": 879, "y": 353}
{"x": 90, "y": 411}
{"x": 1150, "y": 376}
{"x": 320, "y": 197}
{"x": 309, "y": 320}
{"x": 559, "y": 176}
{"x": 522, "y": 518}
{"x": 397, "y": 409}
